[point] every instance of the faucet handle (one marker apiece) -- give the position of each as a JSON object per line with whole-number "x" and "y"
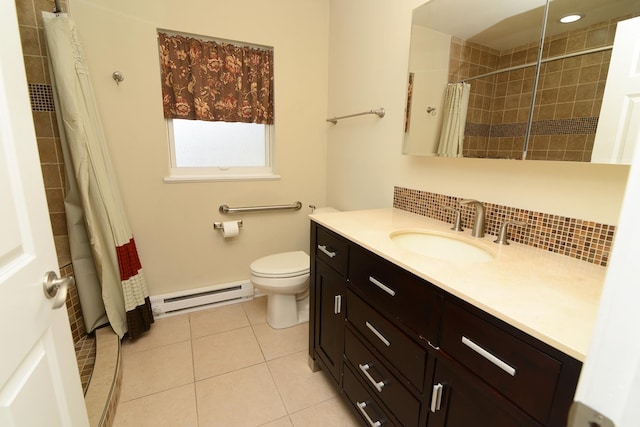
{"x": 503, "y": 237}
{"x": 457, "y": 225}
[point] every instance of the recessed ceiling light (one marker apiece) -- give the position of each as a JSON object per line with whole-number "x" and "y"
{"x": 570, "y": 18}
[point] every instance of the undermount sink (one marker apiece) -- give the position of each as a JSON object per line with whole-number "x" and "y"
{"x": 440, "y": 246}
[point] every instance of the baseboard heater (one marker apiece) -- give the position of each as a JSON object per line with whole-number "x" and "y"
{"x": 201, "y": 298}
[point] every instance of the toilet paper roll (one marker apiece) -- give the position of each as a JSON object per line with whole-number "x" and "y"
{"x": 230, "y": 229}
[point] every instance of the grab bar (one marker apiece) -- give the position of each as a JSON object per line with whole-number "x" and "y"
{"x": 225, "y": 209}
{"x": 379, "y": 112}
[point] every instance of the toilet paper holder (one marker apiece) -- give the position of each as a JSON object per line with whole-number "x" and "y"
{"x": 218, "y": 225}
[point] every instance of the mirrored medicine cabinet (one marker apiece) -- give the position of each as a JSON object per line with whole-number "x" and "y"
{"x": 494, "y": 47}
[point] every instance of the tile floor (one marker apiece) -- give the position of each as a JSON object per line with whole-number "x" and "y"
{"x": 225, "y": 367}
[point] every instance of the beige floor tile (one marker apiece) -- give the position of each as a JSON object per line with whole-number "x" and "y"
{"x": 256, "y": 310}
{"x": 158, "y": 369}
{"x": 281, "y": 342}
{"x": 219, "y": 319}
{"x": 331, "y": 413}
{"x": 282, "y": 422}
{"x": 170, "y": 408}
{"x": 247, "y": 397}
{"x": 225, "y": 352}
{"x": 168, "y": 330}
{"x": 299, "y": 387}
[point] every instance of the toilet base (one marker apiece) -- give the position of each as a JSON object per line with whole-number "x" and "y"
{"x": 284, "y": 311}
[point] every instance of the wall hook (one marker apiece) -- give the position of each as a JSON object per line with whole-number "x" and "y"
{"x": 431, "y": 111}
{"x": 118, "y": 76}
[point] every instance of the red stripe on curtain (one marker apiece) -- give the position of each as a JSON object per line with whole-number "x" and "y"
{"x": 140, "y": 318}
{"x": 128, "y": 260}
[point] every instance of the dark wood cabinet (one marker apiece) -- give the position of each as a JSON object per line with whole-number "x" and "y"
{"x": 531, "y": 375}
{"x": 413, "y": 303}
{"x": 328, "y": 287}
{"x": 330, "y": 298}
{"x": 405, "y": 352}
{"x": 460, "y": 399}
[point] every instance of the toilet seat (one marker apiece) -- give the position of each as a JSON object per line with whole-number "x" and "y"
{"x": 281, "y": 265}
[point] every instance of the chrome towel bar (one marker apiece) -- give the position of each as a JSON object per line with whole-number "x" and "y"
{"x": 225, "y": 209}
{"x": 379, "y": 112}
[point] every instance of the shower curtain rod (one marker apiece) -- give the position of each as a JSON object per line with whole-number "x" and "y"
{"x": 531, "y": 64}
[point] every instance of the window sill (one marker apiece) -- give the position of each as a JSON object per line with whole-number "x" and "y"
{"x": 223, "y": 177}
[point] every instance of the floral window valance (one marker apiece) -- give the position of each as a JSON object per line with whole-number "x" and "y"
{"x": 215, "y": 81}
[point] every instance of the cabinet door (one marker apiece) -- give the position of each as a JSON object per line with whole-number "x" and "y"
{"x": 330, "y": 301}
{"x": 460, "y": 399}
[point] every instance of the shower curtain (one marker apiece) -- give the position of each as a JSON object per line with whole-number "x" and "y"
{"x": 455, "y": 113}
{"x": 110, "y": 281}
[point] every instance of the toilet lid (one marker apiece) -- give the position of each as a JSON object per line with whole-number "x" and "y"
{"x": 286, "y": 264}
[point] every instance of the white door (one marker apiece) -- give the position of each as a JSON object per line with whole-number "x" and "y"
{"x": 619, "y": 122}
{"x": 39, "y": 381}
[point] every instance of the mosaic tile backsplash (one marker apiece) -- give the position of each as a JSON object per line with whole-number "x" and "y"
{"x": 585, "y": 240}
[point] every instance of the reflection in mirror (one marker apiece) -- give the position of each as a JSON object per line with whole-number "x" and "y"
{"x": 573, "y": 75}
{"x": 500, "y": 39}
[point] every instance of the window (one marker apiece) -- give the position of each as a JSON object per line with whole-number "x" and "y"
{"x": 203, "y": 150}
{"x": 218, "y": 103}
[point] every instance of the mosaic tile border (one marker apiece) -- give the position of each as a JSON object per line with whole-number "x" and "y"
{"x": 584, "y": 240}
{"x": 576, "y": 126}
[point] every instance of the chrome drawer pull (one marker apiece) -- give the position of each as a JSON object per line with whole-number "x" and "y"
{"x": 378, "y": 334}
{"x": 361, "y": 407}
{"x": 490, "y": 357}
{"x": 326, "y": 251}
{"x": 382, "y": 286}
{"x": 365, "y": 370}
{"x": 436, "y": 397}
{"x": 337, "y": 304}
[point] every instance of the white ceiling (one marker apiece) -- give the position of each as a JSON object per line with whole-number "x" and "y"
{"x": 503, "y": 24}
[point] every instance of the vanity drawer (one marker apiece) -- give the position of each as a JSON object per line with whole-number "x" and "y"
{"x": 402, "y": 352}
{"x": 521, "y": 372}
{"x": 381, "y": 382}
{"x": 333, "y": 250}
{"x": 411, "y": 300}
{"x": 368, "y": 408}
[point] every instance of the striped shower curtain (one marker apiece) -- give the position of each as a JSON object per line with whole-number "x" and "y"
{"x": 111, "y": 284}
{"x": 456, "y": 102}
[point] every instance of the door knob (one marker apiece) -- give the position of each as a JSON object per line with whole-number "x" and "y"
{"x": 56, "y": 288}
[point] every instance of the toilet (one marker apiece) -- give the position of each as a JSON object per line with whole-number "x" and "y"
{"x": 284, "y": 277}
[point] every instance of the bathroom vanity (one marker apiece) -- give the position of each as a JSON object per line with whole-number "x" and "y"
{"x": 415, "y": 340}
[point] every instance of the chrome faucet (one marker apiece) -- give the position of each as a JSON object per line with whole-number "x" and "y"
{"x": 457, "y": 226}
{"x": 478, "y": 224}
{"x": 503, "y": 237}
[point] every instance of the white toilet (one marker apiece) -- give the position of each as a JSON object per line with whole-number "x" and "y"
{"x": 284, "y": 277}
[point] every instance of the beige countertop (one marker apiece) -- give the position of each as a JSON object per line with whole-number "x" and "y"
{"x": 552, "y": 297}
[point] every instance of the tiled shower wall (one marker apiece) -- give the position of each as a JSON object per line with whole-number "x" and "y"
{"x": 585, "y": 240}
{"x": 568, "y": 98}
{"x": 48, "y": 138}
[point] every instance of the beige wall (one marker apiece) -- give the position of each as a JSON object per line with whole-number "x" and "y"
{"x": 172, "y": 223}
{"x": 368, "y": 57}
{"x": 355, "y": 164}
